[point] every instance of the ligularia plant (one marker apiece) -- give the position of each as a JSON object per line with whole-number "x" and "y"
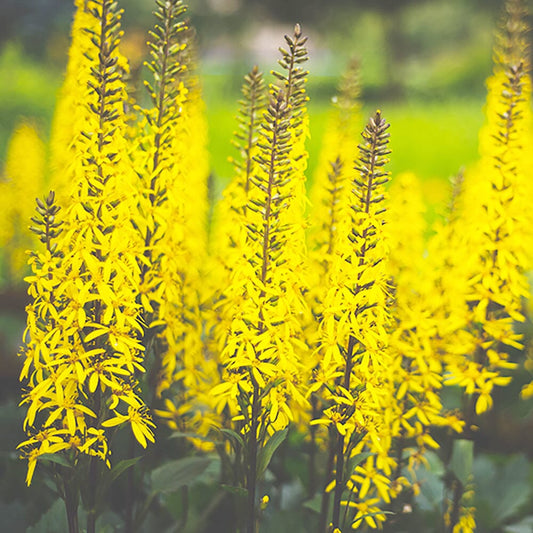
{"x": 83, "y": 348}
{"x": 190, "y": 349}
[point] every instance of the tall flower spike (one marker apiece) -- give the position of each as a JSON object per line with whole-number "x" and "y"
{"x": 330, "y": 216}
{"x": 293, "y": 82}
{"x": 41, "y": 322}
{"x": 331, "y": 190}
{"x": 261, "y": 355}
{"x": 354, "y": 324}
{"x": 416, "y": 368}
{"x": 230, "y": 217}
{"x": 83, "y": 346}
{"x": 330, "y": 213}
{"x": 176, "y": 167}
{"x": 158, "y": 203}
{"x": 495, "y": 209}
{"x": 229, "y": 229}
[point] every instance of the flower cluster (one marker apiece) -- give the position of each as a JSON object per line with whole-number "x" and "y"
{"x": 83, "y": 348}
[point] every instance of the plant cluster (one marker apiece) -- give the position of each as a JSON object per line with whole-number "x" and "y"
{"x": 328, "y": 328}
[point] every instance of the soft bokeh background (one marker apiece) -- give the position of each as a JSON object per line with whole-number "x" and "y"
{"x": 423, "y": 62}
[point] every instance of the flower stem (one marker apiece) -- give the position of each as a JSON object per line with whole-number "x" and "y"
{"x": 322, "y": 523}
{"x": 251, "y": 479}
{"x": 71, "y": 506}
{"x": 339, "y": 451}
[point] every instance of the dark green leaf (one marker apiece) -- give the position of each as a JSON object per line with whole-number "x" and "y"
{"x": 51, "y": 521}
{"x": 239, "y": 491}
{"x": 120, "y": 467}
{"x": 356, "y": 460}
{"x": 462, "y": 459}
{"x": 524, "y": 526}
{"x": 502, "y": 490}
{"x": 266, "y": 453}
{"x": 176, "y": 474}
{"x": 234, "y": 438}
{"x": 55, "y": 458}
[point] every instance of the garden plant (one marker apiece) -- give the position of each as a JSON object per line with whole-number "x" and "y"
{"x": 303, "y": 353}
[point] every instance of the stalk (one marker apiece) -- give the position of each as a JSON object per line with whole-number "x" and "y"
{"x": 70, "y": 496}
{"x": 251, "y": 480}
{"x": 366, "y": 191}
{"x": 322, "y": 522}
{"x": 339, "y": 448}
{"x": 278, "y": 110}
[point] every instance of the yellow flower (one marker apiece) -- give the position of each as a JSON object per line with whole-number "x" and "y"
{"x": 82, "y": 340}
{"x": 140, "y": 421}
{"x": 368, "y": 512}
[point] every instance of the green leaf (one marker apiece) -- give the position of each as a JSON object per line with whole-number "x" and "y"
{"x": 314, "y": 504}
{"x": 120, "y": 467}
{"x": 524, "y": 526}
{"x": 55, "y": 458}
{"x": 239, "y": 491}
{"x": 51, "y": 519}
{"x": 234, "y": 438}
{"x": 14, "y": 516}
{"x": 514, "y": 487}
{"x": 266, "y": 453}
{"x": 462, "y": 459}
{"x": 502, "y": 490}
{"x": 176, "y": 474}
{"x": 430, "y": 478}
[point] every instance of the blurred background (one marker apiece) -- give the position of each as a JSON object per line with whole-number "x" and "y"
{"x": 427, "y": 57}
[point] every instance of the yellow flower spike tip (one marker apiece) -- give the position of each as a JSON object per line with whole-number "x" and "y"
{"x": 70, "y": 113}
